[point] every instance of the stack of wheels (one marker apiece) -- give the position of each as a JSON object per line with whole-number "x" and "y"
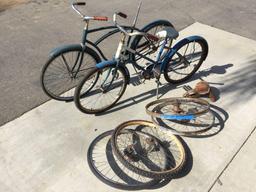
{"x": 136, "y": 155}
{"x": 182, "y": 116}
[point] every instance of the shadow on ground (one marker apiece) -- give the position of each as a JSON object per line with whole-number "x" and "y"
{"x": 241, "y": 83}
{"x": 107, "y": 168}
{"x": 217, "y": 69}
{"x": 221, "y": 117}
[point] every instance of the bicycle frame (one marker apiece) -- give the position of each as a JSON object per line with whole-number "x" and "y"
{"x": 73, "y": 70}
{"x": 161, "y": 62}
{"x": 121, "y": 58}
{"x": 156, "y": 62}
{"x": 87, "y": 43}
{"x": 103, "y": 37}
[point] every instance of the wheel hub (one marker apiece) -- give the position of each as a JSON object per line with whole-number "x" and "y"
{"x": 131, "y": 153}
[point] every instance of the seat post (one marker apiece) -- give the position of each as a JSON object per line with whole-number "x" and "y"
{"x": 84, "y": 37}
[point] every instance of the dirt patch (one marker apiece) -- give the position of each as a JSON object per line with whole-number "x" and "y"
{"x": 5, "y": 4}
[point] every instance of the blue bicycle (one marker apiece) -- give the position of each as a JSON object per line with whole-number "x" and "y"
{"x": 105, "y": 84}
{"x": 68, "y": 64}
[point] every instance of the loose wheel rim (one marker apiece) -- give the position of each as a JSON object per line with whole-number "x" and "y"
{"x": 182, "y": 116}
{"x": 174, "y": 147}
{"x": 192, "y": 108}
{"x": 118, "y": 176}
{"x": 200, "y": 124}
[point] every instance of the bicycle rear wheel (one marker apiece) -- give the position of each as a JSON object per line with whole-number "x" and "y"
{"x": 100, "y": 89}
{"x": 186, "y": 61}
{"x": 141, "y": 45}
{"x": 62, "y": 72}
{"x": 138, "y": 146}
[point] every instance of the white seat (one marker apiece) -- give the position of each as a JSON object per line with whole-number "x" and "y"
{"x": 168, "y": 32}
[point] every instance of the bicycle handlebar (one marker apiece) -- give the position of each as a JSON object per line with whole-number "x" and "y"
{"x": 146, "y": 35}
{"x": 86, "y": 18}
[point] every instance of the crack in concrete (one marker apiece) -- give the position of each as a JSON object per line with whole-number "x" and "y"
{"x": 217, "y": 180}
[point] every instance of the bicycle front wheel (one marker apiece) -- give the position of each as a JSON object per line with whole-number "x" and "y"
{"x": 100, "y": 89}
{"x": 62, "y": 72}
{"x": 186, "y": 61}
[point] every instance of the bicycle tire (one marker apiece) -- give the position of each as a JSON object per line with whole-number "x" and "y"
{"x": 62, "y": 77}
{"x": 82, "y": 96}
{"x": 117, "y": 175}
{"x": 170, "y": 71}
{"x": 156, "y": 174}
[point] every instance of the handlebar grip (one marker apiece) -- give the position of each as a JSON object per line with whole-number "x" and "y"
{"x": 79, "y": 3}
{"x": 100, "y": 18}
{"x": 122, "y": 15}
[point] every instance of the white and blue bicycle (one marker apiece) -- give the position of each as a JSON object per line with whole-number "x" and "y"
{"x": 105, "y": 84}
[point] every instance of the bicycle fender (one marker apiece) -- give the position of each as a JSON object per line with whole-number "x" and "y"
{"x": 149, "y": 26}
{"x": 114, "y": 63}
{"x": 106, "y": 63}
{"x": 65, "y": 48}
{"x": 190, "y": 39}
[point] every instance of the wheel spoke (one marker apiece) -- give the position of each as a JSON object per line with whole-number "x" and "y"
{"x": 107, "y": 89}
{"x": 185, "y": 62}
{"x": 58, "y": 80}
{"x": 147, "y": 158}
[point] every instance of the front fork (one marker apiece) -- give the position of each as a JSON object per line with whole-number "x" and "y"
{"x": 110, "y": 71}
{"x": 160, "y": 57}
{"x": 118, "y": 56}
{"x": 79, "y": 59}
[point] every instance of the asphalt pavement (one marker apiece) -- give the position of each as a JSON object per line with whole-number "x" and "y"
{"x": 28, "y": 32}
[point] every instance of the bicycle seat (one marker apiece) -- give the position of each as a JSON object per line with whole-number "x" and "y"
{"x": 168, "y": 32}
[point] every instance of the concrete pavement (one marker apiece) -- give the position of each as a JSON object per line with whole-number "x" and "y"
{"x": 45, "y": 149}
{"x": 239, "y": 174}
